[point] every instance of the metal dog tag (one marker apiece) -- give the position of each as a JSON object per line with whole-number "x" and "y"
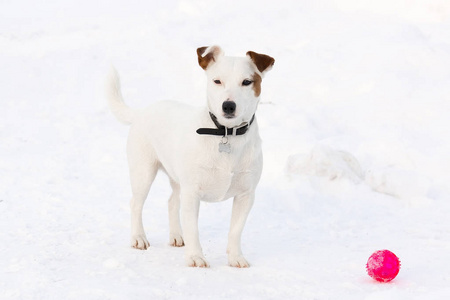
{"x": 224, "y": 146}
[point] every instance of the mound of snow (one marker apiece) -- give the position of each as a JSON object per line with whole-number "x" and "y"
{"x": 400, "y": 183}
{"x": 326, "y": 162}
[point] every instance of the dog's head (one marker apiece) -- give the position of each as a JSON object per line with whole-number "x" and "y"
{"x": 234, "y": 83}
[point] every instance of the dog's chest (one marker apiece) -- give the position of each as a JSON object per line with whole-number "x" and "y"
{"x": 218, "y": 184}
{"x": 222, "y": 178}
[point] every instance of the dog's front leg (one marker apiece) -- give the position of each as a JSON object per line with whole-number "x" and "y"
{"x": 242, "y": 205}
{"x": 190, "y": 205}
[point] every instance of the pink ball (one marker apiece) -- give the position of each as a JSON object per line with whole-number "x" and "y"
{"x": 383, "y": 265}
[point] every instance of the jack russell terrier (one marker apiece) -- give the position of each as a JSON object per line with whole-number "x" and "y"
{"x": 211, "y": 153}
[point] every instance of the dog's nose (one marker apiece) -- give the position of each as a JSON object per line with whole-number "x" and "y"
{"x": 229, "y": 107}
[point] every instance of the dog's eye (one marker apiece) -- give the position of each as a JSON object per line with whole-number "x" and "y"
{"x": 246, "y": 82}
{"x": 217, "y": 81}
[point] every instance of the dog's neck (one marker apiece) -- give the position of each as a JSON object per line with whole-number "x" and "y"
{"x": 225, "y": 131}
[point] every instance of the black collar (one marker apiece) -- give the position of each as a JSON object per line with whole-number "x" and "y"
{"x": 221, "y": 129}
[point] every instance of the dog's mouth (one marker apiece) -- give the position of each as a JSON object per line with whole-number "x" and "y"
{"x": 229, "y": 116}
{"x": 230, "y": 121}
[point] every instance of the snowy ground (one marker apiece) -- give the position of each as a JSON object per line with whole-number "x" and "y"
{"x": 356, "y": 129}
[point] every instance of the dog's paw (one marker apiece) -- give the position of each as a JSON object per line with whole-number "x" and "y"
{"x": 176, "y": 240}
{"x": 238, "y": 261}
{"x": 140, "y": 242}
{"x": 197, "y": 261}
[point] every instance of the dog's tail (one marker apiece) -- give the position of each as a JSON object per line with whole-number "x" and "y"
{"x": 115, "y": 100}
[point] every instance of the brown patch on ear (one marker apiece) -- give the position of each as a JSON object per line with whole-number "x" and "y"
{"x": 263, "y": 62}
{"x": 205, "y": 60}
{"x": 257, "y": 84}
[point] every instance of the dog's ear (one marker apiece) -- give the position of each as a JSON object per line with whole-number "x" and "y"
{"x": 263, "y": 62}
{"x": 208, "y": 55}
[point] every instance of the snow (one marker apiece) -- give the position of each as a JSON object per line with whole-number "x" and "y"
{"x": 356, "y": 130}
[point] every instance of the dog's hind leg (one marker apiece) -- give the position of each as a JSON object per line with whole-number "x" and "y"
{"x": 143, "y": 166}
{"x": 175, "y": 238}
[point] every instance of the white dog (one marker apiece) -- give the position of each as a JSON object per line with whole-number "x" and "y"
{"x": 210, "y": 154}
